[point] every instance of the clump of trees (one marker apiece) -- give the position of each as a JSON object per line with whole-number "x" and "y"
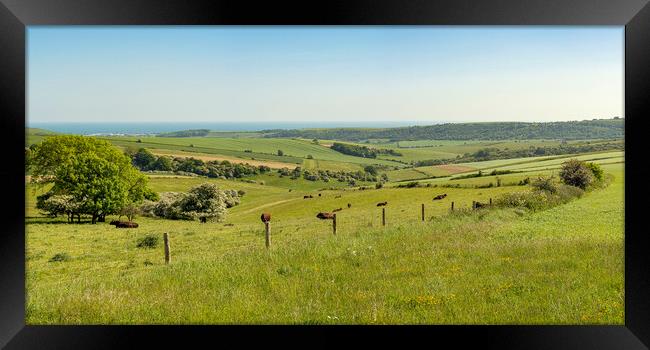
{"x": 203, "y": 202}
{"x": 362, "y": 151}
{"x": 88, "y": 177}
{"x": 144, "y": 160}
{"x": 351, "y": 177}
{"x": 186, "y": 133}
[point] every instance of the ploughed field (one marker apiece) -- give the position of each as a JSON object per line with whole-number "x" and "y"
{"x": 498, "y": 266}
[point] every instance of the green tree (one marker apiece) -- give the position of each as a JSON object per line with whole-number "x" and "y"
{"x": 576, "y": 173}
{"x": 280, "y": 153}
{"x": 99, "y": 177}
{"x": 143, "y": 159}
{"x": 163, "y": 164}
{"x": 370, "y": 169}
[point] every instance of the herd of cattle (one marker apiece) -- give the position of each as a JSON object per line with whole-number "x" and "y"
{"x": 266, "y": 217}
{"x": 329, "y": 216}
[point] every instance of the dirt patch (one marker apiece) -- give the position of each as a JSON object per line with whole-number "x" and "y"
{"x": 209, "y": 157}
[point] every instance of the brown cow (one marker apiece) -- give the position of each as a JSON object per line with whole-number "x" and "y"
{"x": 266, "y": 217}
{"x": 325, "y": 216}
{"x": 124, "y": 224}
{"x": 339, "y": 209}
{"x": 349, "y": 205}
{"x": 440, "y": 196}
{"x": 310, "y": 196}
{"x": 478, "y": 205}
{"x": 382, "y": 204}
{"x": 319, "y": 195}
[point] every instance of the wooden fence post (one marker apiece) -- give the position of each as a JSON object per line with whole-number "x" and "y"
{"x": 334, "y": 224}
{"x": 422, "y": 211}
{"x": 167, "y": 252}
{"x": 383, "y": 216}
{"x": 452, "y": 206}
{"x": 267, "y": 226}
{"x": 490, "y": 201}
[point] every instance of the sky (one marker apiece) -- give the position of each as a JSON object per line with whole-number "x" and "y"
{"x": 420, "y": 74}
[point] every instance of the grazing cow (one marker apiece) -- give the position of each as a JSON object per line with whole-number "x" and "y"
{"x": 478, "y": 205}
{"x": 339, "y": 209}
{"x": 310, "y": 196}
{"x": 325, "y": 216}
{"x": 124, "y": 224}
{"x": 440, "y": 196}
{"x": 203, "y": 219}
{"x": 349, "y": 205}
{"x": 319, "y": 195}
{"x": 266, "y": 217}
{"x": 382, "y": 204}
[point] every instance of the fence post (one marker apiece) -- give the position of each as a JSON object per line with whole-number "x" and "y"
{"x": 473, "y": 204}
{"x": 422, "y": 211}
{"x": 490, "y": 201}
{"x": 267, "y": 226}
{"x": 383, "y": 216}
{"x": 452, "y": 206}
{"x": 334, "y": 224}
{"x": 167, "y": 252}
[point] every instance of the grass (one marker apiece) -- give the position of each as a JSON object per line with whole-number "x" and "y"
{"x": 501, "y": 266}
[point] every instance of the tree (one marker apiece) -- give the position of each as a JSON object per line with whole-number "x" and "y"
{"x": 163, "y": 164}
{"x": 370, "y": 169}
{"x": 97, "y": 176}
{"x": 280, "y": 153}
{"x": 576, "y": 173}
{"x": 143, "y": 159}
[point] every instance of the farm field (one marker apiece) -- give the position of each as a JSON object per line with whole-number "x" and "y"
{"x": 514, "y": 164}
{"x": 261, "y": 148}
{"x": 500, "y": 266}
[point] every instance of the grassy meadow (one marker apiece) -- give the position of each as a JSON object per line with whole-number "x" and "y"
{"x": 563, "y": 265}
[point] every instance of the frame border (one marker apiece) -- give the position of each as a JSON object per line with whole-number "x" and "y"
{"x": 15, "y": 15}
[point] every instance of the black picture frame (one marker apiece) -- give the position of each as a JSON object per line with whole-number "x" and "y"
{"x": 15, "y": 15}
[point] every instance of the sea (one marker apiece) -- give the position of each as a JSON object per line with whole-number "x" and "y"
{"x": 149, "y": 128}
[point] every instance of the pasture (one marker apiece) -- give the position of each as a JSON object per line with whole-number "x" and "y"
{"x": 496, "y": 266}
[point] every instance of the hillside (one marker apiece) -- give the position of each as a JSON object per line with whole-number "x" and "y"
{"x": 572, "y": 130}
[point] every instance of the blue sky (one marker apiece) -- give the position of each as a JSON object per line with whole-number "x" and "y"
{"x": 343, "y": 74}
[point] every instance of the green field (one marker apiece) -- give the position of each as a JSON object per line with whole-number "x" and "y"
{"x": 562, "y": 265}
{"x": 559, "y": 266}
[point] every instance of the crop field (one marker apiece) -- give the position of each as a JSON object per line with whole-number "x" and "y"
{"x": 499, "y": 266}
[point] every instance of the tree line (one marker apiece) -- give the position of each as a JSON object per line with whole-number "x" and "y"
{"x": 362, "y": 151}
{"x": 569, "y": 130}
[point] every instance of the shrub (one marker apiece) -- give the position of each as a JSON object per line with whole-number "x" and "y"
{"x": 148, "y": 241}
{"x": 379, "y": 185}
{"x": 546, "y": 184}
{"x": 596, "y": 170}
{"x": 59, "y": 257}
{"x": 576, "y": 173}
